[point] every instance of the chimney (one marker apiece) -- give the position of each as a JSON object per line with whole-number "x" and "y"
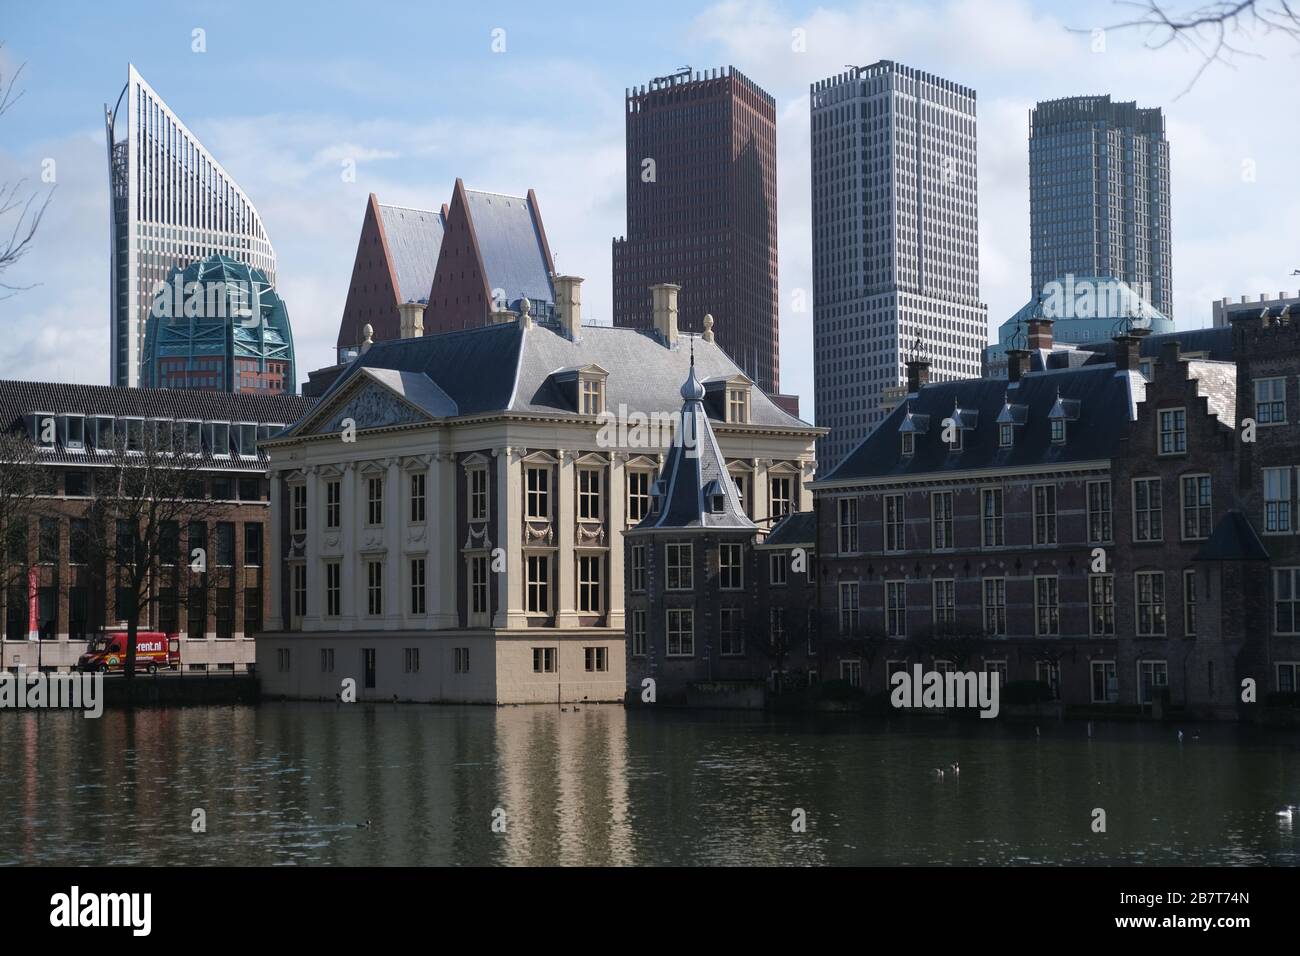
{"x": 1128, "y": 349}
{"x": 412, "y": 319}
{"x": 1169, "y": 353}
{"x": 1040, "y": 333}
{"x": 568, "y": 303}
{"x": 1017, "y": 364}
{"x": 664, "y": 297}
{"x": 918, "y": 375}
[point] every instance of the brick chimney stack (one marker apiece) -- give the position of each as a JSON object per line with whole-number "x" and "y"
{"x": 1017, "y": 364}
{"x": 568, "y": 303}
{"x": 918, "y": 375}
{"x": 664, "y": 298}
{"x": 1040, "y": 333}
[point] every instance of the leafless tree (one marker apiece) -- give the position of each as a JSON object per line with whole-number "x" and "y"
{"x": 21, "y": 209}
{"x": 1218, "y": 30}
{"x": 139, "y": 504}
{"x": 24, "y": 486}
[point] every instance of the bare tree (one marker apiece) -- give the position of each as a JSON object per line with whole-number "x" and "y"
{"x": 138, "y": 505}
{"x": 21, "y": 210}
{"x": 24, "y": 485}
{"x": 1218, "y": 30}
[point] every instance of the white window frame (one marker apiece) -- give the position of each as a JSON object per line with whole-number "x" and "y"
{"x": 1173, "y": 432}
{"x": 1204, "y": 513}
{"x": 1158, "y": 603}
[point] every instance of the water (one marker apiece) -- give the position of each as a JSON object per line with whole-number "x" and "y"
{"x": 285, "y": 784}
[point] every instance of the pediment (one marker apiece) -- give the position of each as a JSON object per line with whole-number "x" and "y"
{"x": 371, "y": 406}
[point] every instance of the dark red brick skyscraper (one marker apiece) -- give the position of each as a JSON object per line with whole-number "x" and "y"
{"x": 701, "y": 212}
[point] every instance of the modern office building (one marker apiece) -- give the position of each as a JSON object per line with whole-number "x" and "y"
{"x": 421, "y": 271}
{"x": 1099, "y": 195}
{"x": 229, "y": 332}
{"x": 701, "y": 212}
{"x": 895, "y": 241}
{"x": 171, "y": 203}
{"x": 71, "y": 585}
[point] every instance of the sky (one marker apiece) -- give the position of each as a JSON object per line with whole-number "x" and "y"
{"x": 287, "y": 96}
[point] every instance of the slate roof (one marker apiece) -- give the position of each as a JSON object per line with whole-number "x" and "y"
{"x": 1233, "y": 539}
{"x": 1216, "y": 343}
{"x": 797, "y": 529}
{"x": 1217, "y": 381}
{"x": 414, "y": 237}
{"x": 1107, "y": 400}
{"x": 510, "y": 242}
{"x": 18, "y": 399}
{"x": 507, "y": 367}
{"x": 694, "y": 489}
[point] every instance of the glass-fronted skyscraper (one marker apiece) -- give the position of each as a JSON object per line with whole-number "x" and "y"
{"x": 1099, "y": 195}
{"x": 171, "y": 204}
{"x": 895, "y": 217}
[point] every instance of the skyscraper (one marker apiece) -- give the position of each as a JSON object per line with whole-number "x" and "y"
{"x": 1099, "y": 195}
{"x": 171, "y": 204}
{"x": 895, "y": 242}
{"x": 701, "y": 212}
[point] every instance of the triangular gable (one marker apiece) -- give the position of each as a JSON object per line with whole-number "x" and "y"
{"x": 369, "y": 404}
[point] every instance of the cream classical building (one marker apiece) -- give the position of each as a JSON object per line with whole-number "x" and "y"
{"x": 449, "y": 517}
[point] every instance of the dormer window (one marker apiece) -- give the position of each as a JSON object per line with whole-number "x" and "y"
{"x": 219, "y": 441}
{"x": 955, "y": 440}
{"x": 1065, "y": 410}
{"x": 593, "y": 395}
{"x": 715, "y": 499}
{"x": 656, "y": 496}
{"x": 909, "y": 444}
{"x": 738, "y": 405}
{"x": 1058, "y": 431}
{"x": 43, "y": 430}
{"x": 162, "y": 436}
{"x": 104, "y": 432}
{"x": 74, "y": 431}
{"x": 247, "y": 440}
{"x": 1006, "y": 435}
{"x": 192, "y": 441}
{"x": 133, "y": 434}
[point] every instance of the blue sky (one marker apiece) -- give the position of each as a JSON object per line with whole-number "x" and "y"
{"x": 415, "y": 95}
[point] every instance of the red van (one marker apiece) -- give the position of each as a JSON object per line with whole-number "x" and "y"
{"x": 154, "y": 650}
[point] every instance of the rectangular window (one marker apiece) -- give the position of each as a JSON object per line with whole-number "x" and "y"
{"x": 298, "y": 508}
{"x": 225, "y": 544}
{"x": 543, "y": 660}
{"x": 538, "y": 495}
{"x": 225, "y": 614}
{"x": 1006, "y": 435}
{"x": 638, "y": 495}
{"x": 252, "y": 544}
{"x": 411, "y": 660}
{"x": 1287, "y": 674}
{"x": 1044, "y": 514}
{"x": 327, "y": 660}
{"x": 737, "y": 405}
{"x": 1173, "y": 431}
{"x": 282, "y": 659}
{"x": 1277, "y": 500}
{"x": 333, "y": 503}
{"x": 589, "y": 567}
{"x": 417, "y": 586}
{"x": 776, "y": 626}
{"x": 333, "y": 588}
{"x": 848, "y": 525}
{"x": 995, "y": 606}
{"x": 462, "y": 660}
{"x": 730, "y": 571}
{"x": 680, "y": 569}
{"x": 417, "y": 498}
{"x": 1270, "y": 401}
{"x": 782, "y": 496}
{"x": 595, "y": 659}
{"x": 478, "y": 494}
{"x": 1148, "y": 524}
{"x": 196, "y": 613}
{"x": 731, "y": 631}
{"x": 1197, "y": 514}
{"x": 1047, "y": 613}
{"x": 848, "y": 607}
{"x": 777, "y": 565}
{"x": 1105, "y": 688}
{"x": 1150, "y": 589}
{"x": 593, "y": 396}
{"x": 1286, "y": 600}
{"x": 896, "y": 608}
{"x": 639, "y": 633}
{"x": 945, "y": 601}
{"x": 589, "y": 493}
{"x": 252, "y": 611}
{"x": 993, "y": 528}
{"x": 1049, "y": 673}
{"x": 894, "y": 527}
{"x": 680, "y": 632}
{"x": 638, "y": 567}
{"x": 909, "y": 443}
{"x": 1189, "y": 602}
{"x": 48, "y": 541}
{"x": 1058, "y": 431}
{"x": 1099, "y": 530}
{"x": 1153, "y": 676}
{"x": 941, "y": 521}
{"x": 478, "y": 584}
{"x": 539, "y": 584}
{"x": 374, "y": 588}
{"x": 374, "y": 501}
{"x": 1101, "y": 605}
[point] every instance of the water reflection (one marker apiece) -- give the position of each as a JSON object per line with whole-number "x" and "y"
{"x": 288, "y": 784}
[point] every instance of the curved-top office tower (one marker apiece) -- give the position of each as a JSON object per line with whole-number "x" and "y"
{"x": 171, "y": 204}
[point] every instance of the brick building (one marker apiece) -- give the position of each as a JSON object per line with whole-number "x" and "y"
{"x": 217, "y": 613}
